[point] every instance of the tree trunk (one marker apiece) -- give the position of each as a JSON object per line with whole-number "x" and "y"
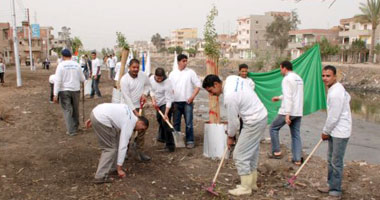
{"x": 124, "y": 56}
{"x": 372, "y": 43}
{"x": 214, "y": 109}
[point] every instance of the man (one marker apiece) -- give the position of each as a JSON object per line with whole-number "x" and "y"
{"x": 95, "y": 74}
{"x": 114, "y": 124}
{"x": 243, "y": 72}
{"x": 2, "y": 71}
{"x": 111, "y": 64}
{"x": 135, "y": 86}
{"x": 162, "y": 98}
{"x": 51, "y": 81}
{"x": 240, "y": 100}
{"x": 337, "y": 130}
{"x": 186, "y": 86}
{"x": 290, "y": 113}
{"x": 68, "y": 76}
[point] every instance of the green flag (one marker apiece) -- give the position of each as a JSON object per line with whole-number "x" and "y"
{"x": 309, "y": 67}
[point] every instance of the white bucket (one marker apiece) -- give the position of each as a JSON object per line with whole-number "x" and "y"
{"x": 215, "y": 140}
{"x": 87, "y": 87}
{"x": 116, "y": 96}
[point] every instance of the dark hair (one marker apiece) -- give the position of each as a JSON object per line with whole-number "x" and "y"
{"x": 144, "y": 120}
{"x": 210, "y": 80}
{"x": 94, "y": 52}
{"x": 242, "y": 66}
{"x": 160, "y": 72}
{"x": 181, "y": 57}
{"x": 286, "y": 64}
{"x": 330, "y": 67}
{"x": 134, "y": 60}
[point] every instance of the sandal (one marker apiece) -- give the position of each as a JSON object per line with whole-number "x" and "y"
{"x": 273, "y": 156}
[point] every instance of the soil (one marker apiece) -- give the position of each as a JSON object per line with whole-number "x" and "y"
{"x": 39, "y": 161}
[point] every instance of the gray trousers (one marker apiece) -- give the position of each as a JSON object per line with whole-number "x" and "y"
{"x": 109, "y": 143}
{"x": 69, "y": 101}
{"x": 246, "y": 153}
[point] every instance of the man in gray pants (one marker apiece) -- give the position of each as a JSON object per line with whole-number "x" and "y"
{"x": 114, "y": 125}
{"x": 241, "y": 100}
{"x": 68, "y": 77}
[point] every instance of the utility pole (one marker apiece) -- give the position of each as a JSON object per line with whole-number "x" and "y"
{"x": 32, "y": 68}
{"x": 15, "y": 46}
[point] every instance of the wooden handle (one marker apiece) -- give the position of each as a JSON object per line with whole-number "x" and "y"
{"x": 124, "y": 56}
{"x": 307, "y": 159}
{"x": 163, "y": 117}
{"x": 220, "y": 164}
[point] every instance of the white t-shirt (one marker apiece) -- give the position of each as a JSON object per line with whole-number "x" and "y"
{"x": 133, "y": 88}
{"x": 95, "y": 66}
{"x": 162, "y": 92}
{"x": 2, "y": 68}
{"x": 184, "y": 82}
{"x": 250, "y": 83}
{"x": 52, "y": 78}
{"x": 121, "y": 117}
{"x": 110, "y": 63}
{"x": 68, "y": 76}
{"x": 241, "y": 100}
{"x": 339, "y": 122}
{"x": 292, "y": 95}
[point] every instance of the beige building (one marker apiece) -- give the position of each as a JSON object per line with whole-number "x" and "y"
{"x": 179, "y": 36}
{"x": 251, "y": 33}
{"x": 352, "y": 30}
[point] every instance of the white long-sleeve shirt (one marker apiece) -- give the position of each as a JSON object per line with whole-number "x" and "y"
{"x": 162, "y": 92}
{"x": 2, "y": 68}
{"x": 292, "y": 95}
{"x": 250, "y": 83}
{"x": 95, "y": 67}
{"x": 339, "y": 122}
{"x": 110, "y": 63}
{"x": 133, "y": 88}
{"x": 68, "y": 76}
{"x": 184, "y": 82}
{"x": 241, "y": 100}
{"x": 121, "y": 117}
{"x": 52, "y": 78}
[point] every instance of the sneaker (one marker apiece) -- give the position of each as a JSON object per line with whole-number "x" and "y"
{"x": 143, "y": 157}
{"x": 102, "y": 180}
{"x": 335, "y": 194}
{"x": 190, "y": 145}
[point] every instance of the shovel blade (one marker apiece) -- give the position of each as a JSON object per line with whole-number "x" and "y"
{"x": 179, "y": 139}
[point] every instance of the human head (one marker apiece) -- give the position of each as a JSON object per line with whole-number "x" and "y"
{"x": 329, "y": 75}
{"x": 285, "y": 67}
{"x": 213, "y": 84}
{"x": 142, "y": 124}
{"x": 65, "y": 54}
{"x": 159, "y": 75}
{"x": 134, "y": 67}
{"x": 243, "y": 70}
{"x": 182, "y": 61}
{"x": 93, "y": 55}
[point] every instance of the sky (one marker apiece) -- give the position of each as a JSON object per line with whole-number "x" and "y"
{"x": 96, "y": 22}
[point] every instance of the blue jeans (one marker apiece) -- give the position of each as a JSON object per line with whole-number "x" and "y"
{"x": 185, "y": 109}
{"x": 277, "y": 124}
{"x": 95, "y": 87}
{"x": 335, "y": 156}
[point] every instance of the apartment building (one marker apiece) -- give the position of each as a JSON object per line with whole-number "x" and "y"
{"x": 179, "y": 36}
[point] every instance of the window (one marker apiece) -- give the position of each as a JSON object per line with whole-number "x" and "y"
{"x": 257, "y": 32}
{"x": 247, "y": 31}
{"x": 239, "y": 41}
{"x": 365, "y": 26}
{"x": 239, "y": 32}
{"x": 353, "y": 27}
{"x": 239, "y": 23}
{"x": 257, "y": 22}
{"x": 247, "y": 41}
{"x": 247, "y": 21}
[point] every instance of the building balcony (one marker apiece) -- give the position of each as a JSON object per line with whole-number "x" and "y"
{"x": 355, "y": 33}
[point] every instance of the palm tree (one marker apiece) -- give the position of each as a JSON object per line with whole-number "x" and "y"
{"x": 370, "y": 14}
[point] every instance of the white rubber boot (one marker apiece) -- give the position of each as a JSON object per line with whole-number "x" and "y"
{"x": 254, "y": 181}
{"x": 244, "y": 188}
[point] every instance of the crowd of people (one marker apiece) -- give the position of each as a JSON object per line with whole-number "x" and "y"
{"x": 122, "y": 126}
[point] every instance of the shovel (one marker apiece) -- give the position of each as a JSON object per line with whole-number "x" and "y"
{"x": 178, "y": 136}
{"x": 133, "y": 138}
{"x": 211, "y": 189}
{"x": 292, "y": 180}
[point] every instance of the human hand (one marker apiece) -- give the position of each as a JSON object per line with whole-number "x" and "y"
{"x": 325, "y": 136}
{"x": 190, "y": 100}
{"x": 230, "y": 142}
{"x": 120, "y": 172}
{"x": 55, "y": 99}
{"x": 88, "y": 123}
{"x": 276, "y": 98}
{"x": 287, "y": 120}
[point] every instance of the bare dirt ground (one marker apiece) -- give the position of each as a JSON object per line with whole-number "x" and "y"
{"x": 39, "y": 161}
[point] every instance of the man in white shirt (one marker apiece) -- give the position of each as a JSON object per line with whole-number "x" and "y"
{"x": 186, "y": 85}
{"x": 162, "y": 98}
{"x": 51, "y": 81}
{"x": 111, "y": 64}
{"x": 241, "y": 100}
{"x": 68, "y": 77}
{"x": 135, "y": 86}
{"x": 95, "y": 74}
{"x": 243, "y": 72}
{"x": 2, "y": 71}
{"x": 337, "y": 130}
{"x": 290, "y": 113}
{"x": 114, "y": 125}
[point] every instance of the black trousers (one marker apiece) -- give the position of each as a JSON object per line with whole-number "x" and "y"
{"x": 166, "y": 131}
{"x": 51, "y": 91}
{"x": 2, "y": 77}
